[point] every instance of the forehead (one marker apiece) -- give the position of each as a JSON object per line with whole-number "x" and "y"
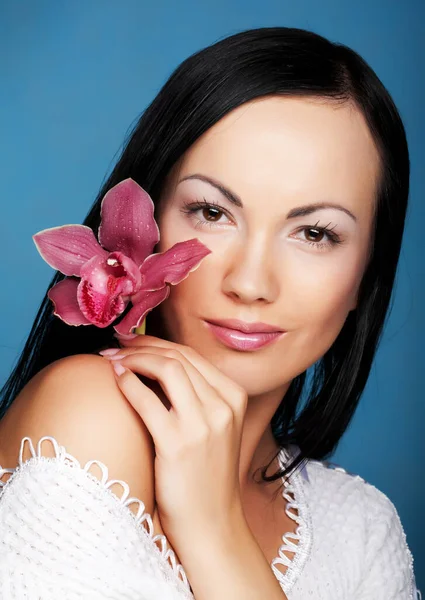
{"x": 301, "y": 147}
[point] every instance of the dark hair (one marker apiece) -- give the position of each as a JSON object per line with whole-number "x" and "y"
{"x": 205, "y": 87}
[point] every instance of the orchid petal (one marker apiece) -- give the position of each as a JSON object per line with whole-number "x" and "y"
{"x": 143, "y": 302}
{"x": 172, "y": 266}
{"x": 68, "y": 247}
{"x": 127, "y": 221}
{"x": 105, "y": 287}
{"x": 64, "y": 298}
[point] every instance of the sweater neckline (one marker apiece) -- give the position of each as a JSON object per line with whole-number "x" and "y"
{"x": 298, "y": 543}
{"x": 297, "y": 508}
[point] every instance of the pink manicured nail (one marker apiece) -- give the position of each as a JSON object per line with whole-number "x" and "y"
{"x": 116, "y": 357}
{"x": 118, "y": 368}
{"x": 109, "y": 351}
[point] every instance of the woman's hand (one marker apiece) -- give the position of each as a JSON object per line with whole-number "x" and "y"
{"x": 195, "y": 417}
{"x": 196, "y": 428}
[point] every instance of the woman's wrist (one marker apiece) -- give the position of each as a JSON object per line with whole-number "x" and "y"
{"x": 225, "y": 562}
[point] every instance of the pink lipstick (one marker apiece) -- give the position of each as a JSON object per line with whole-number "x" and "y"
{"x": 244, "y": 336}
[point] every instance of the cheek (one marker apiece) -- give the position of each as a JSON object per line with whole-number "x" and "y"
{"x": 321, "y": 299}
{"x": 191, "y": 292}
{"x": 323, "y": 284}
{"x": 203, "y": 282}
{"x": 187, "y": 301}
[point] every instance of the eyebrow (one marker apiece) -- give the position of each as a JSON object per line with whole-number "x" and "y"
{"x": 225, "y": 191}
{"x": 299, "y": 211}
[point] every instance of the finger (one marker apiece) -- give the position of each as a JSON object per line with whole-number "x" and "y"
{"x": 216, "y": 410}
{"x": 206, "y": 393}
{"x": 228, "y": 388}
{"x": 146, "y": 403}
{"x": 173, "y": 379}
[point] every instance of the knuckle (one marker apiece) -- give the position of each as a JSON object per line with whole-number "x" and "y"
{"x": 172, "y": 353}
{"x": 240, "y": 396}
{"x": 224, "y": 418}
{"x": 190, "y": 353}
{"x": 172, "y": 367}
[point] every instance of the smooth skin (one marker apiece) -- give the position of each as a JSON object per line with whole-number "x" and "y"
{"x": 275, "y": 154}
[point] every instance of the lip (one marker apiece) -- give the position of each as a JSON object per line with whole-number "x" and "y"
{"x": 244, "y": 341}
{"x": 245, "y": 327}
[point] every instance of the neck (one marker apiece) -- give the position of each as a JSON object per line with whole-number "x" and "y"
{"x": 258, "y": 445}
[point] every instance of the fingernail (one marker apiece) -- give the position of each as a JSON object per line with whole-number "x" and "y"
{"x": 119, "y": 369}
{"x": 109, "y": 351}
{"x": 116, "y": 357}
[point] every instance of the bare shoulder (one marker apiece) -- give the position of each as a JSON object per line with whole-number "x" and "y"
{"x": 76, "y": 401}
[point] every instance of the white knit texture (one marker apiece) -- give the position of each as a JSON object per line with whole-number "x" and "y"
{"x": 65, "y": 535}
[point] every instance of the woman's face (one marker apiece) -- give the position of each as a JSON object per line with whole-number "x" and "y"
{"x": 270, "y": 260}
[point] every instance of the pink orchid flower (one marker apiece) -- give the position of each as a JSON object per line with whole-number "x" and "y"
{"x": 118, "y": 269}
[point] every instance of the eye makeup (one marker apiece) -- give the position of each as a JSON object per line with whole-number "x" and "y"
{"x": 191, "y": 208}
{"x": 333, "y": 238}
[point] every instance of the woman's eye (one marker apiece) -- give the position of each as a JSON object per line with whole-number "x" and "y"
{"x": 204, "y": 213}
{"x": 211, "y": 214}
{"x": 315, "y": 236}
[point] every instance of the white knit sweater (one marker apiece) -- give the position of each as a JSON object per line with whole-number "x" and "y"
{"x": 66, "y": 536}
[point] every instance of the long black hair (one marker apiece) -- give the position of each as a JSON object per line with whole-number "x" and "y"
{"x": 205, "y": 87}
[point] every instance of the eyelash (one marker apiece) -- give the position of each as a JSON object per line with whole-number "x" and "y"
{"x": 190, "y": 208}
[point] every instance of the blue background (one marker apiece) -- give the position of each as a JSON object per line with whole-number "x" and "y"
{"x": 74, "y": 78}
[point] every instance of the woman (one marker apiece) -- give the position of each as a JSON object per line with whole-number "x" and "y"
{"x": 285, "y": 156}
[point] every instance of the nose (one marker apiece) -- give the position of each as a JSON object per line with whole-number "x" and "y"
{"x": 251, "y": 273}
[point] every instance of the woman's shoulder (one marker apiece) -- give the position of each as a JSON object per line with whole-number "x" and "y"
{"x": 73, "y": 510}
{"x": 346, "y": 489}
{"x": 76, "y": 401}
{"x": 361, "y": 511}
{"x": 356, "y": 523}
{"x": 349, "y": 494}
